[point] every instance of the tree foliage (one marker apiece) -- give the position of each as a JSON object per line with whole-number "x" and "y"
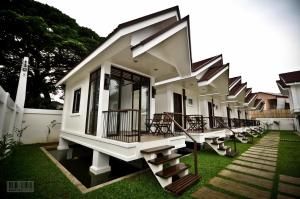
{"x": 53, "y": 41}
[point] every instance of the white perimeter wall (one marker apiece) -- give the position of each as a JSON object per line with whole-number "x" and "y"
{"x": 37, "y": 121}
{"x": 284, "y": 123}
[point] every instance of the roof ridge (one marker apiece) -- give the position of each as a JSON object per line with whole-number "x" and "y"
{"x": 151, "y": 37}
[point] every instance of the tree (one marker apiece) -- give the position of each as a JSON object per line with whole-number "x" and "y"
{"x": 53, "y": 41}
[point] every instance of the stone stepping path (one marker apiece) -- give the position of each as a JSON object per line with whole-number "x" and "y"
{"x": 206, "y": 193}
{"x": 255, "y": 165}
{"x": 261, "y": 154}
{"x": 259, "y": 157}
{"x": 289, "y": 185}
{"x": 263, "y": 151}
{"x": 251, "y": 171}
{"x": 239, "y": 188}
{"x": 268, "y": 184}
{"x": 279, "y": 196}
{"x": 251, "y": 175}
{"x": 266, "y": 162}
{"x": 289, "y": 189}
{"x": 289, "y": 179}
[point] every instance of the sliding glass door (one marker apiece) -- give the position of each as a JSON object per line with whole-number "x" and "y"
{"x": 129, "y": 91}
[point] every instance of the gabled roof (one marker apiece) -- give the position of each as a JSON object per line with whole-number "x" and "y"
{"x": 273, "y": 94}
{"x": 291, "y": 77}
{"x": 282, "y": 84}
{"x": 237, "y": 88}
{"x": 113, "y": 33}
{"x": 200, "y": 64}
{"x": 151, "y": 37}
{"x": 248, "y": 90}
{"x": 250, "y": 97}
{"x": 257, "y": 102}
{"x": 233, "y": 80}
{"x": 146, "y": 17}
{"x": 212, "y": 71}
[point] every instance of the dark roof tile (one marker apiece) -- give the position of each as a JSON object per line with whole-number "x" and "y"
{"x": 212, "y": 71}
{"x": 290, "y": 77}
{"x": 237, "y": 88}
{"x": 200, "y": 64}
{"x": 232, "y": 80}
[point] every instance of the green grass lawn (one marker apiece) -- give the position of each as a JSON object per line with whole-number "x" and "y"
{"x": 30, "y": 163}
{"x": 289, "y": 154}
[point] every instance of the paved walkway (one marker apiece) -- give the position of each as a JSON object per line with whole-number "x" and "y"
{"x": 251, "y": 175}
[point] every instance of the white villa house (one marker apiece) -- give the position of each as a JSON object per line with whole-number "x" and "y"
{"x": 143, "y": 67}
{"x": 289, "y": 85}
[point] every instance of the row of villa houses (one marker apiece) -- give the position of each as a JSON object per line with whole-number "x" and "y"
{"x": 139, "y": 94}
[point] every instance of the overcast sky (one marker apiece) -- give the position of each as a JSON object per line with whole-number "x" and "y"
{"x": 259, "y": 38}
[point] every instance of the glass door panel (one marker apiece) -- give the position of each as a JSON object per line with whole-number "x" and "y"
{"x": 93, "y": 103}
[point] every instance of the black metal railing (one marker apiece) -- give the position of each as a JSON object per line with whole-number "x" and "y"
{"x": 195, "y": 153}
{"x": 122, "y": 125}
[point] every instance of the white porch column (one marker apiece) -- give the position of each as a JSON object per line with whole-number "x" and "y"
{"x": 103, "y": 97}
{"x": 100, "y": 163}
{"x": 63, "y": 144}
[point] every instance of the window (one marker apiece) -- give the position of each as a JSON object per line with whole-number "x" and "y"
{"x": 190, "y": 101}
{"x": 76, "y": 101}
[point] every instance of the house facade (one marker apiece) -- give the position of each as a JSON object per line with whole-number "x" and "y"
{"x": 289, "y": 85}
{"x": 109, "y": 95}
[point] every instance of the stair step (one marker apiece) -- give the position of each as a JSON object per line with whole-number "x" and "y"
{"x": 210, "y": 138}
{"x": 224, "y": 148}
{"x": 166, "y": 158}
{"x": 157, "y": 149}
{"x": 172, "y": 170}
{"x": 217, "y": 143}
{"x": 183, "y": 183}
{"x": 231, "y": 154}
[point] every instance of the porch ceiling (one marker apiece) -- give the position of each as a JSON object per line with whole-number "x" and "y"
{"x": 216, "y": 85}
{"x": 146, "y": 64}
{"x": 171, "y": 46}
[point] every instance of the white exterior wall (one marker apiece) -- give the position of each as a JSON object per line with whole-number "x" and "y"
{"x": 164, "y": 99}
{"x": 195, "y": 108}
{"x": 284, "y": 123}
{"x": 294, "y": 91}
{"x": 75, "y": 121}
{"x": 203, "y": 106}
{"x": 37, "y": 121}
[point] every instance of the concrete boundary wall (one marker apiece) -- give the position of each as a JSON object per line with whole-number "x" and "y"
{"x": 280, "y": 123}
{"x": 38, "y": 123}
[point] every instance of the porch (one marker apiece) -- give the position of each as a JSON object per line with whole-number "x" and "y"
{"x": 128, "y": 126}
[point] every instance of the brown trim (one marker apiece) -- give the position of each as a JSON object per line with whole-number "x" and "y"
{"x": 155, "y": 35}
{"x": 282, "y": 84}
{"x": 200, "y": 64}
{"x": 290, "y": 77}
{"x": 233, "y": 80}
{"x": 211, "y": 72}
{"x": 237, "y": 88}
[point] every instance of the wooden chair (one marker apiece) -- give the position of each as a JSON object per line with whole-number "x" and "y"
{"x": 166, "y": 123}
{"x": 155, "y": 123}
{"x": 192, "y": 122}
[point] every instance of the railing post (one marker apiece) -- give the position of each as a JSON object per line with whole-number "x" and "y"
{"x": 139, "y": 125}
{"x": 195, "y": 158}
{"x": 202, "y": 124}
